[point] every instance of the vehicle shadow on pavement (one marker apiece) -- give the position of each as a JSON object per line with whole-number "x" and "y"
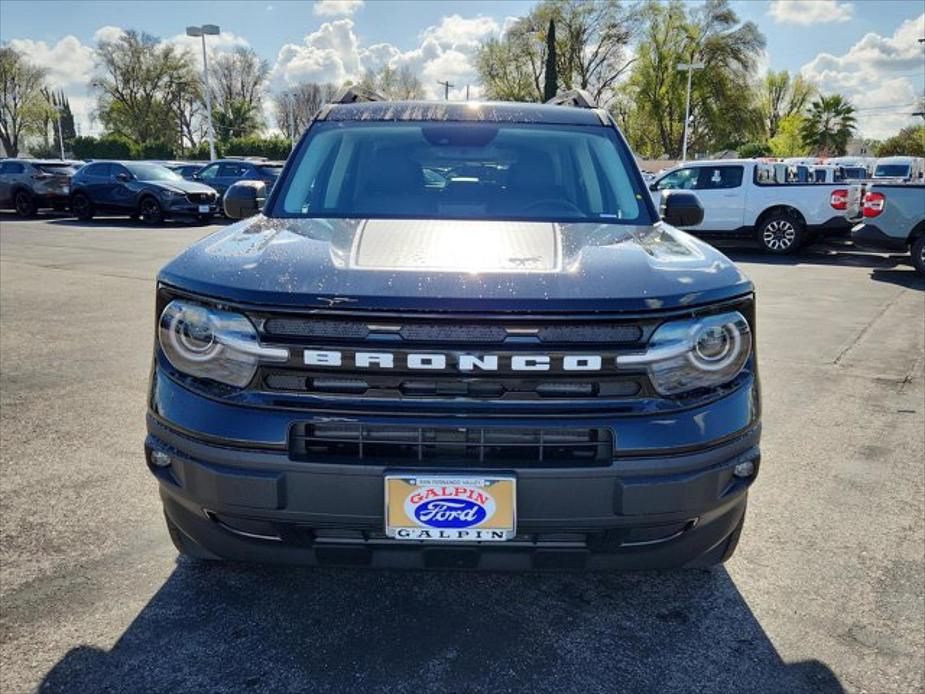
{"x": 236, "y": 628}
{"x": 893, "y": 268}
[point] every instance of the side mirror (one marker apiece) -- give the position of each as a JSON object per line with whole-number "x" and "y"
{"x": 245, "y": 199}
{"x": 124, "y": 177}
{"x": 653, "y": 187}
{"x": 680, "y": 208}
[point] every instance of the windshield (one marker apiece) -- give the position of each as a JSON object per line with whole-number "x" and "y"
{"x": 152, "y": 172}
{"x": 891, "y": 170}
{"x": 438, "y": 170}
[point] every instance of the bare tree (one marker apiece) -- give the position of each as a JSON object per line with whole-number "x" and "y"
{"x": 238, "y": 84}
{"x": 400, "y": 84}
{"x": 21, "y": 100}
{"x": 296, "y": 108}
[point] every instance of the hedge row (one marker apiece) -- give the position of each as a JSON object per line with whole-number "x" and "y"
{"x": 118, "y": 147}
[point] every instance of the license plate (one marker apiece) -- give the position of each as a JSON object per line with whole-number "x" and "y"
{"x": 450, "y": 508}
{"x": 203, "y": 208}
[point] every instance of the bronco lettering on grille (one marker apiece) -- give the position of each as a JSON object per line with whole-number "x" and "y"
{"x": 431, "y": 361}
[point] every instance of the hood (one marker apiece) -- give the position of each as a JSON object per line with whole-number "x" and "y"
{"x": 181, "y": 186}
{"x": 457, "y": 265}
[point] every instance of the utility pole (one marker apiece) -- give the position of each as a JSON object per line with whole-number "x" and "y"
{"x": 446, "y": 89}
{"x": 467, "y": 92}
{"x": 290, "y": 98}
{"x": 690, "y": 67}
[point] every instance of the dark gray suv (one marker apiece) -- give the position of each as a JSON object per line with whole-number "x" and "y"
{"x": 28, "y": 185}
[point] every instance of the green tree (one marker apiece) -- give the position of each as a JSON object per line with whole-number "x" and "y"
{"x": 106, "y": 147}
{"x": 22, "y": 104}
{"x": 781, "y": 96}
{"x": 788, "y": 142}
{"x": 139, "y": 84}
{"x": 723, "y": 114}
{"x": 828, "y": 125}
{"x": 750, "y": 150}
{"x": 908, "y": 141}
{"x": 551, "y": 80}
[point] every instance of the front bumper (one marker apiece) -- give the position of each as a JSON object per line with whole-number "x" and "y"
{"x": 244, "y": 499}
{"x": 184, "y": 208}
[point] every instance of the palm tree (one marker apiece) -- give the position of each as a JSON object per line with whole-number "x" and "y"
{"x": 828, "y": 125}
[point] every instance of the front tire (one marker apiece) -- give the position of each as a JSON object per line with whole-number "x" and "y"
{"x": 150, "y": 211}
{"x": 25, "y": 204}
{"x": 82, "y": 207}
{"x": 781, "y": 234}
{"x": 918, "y": 253}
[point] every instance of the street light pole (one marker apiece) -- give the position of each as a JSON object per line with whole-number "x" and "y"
{"x": 202, "y": 32}
{"x": 290, "y": 98}
{"x": 690, "y": 67}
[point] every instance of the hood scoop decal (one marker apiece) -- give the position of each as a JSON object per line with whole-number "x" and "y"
{"x": 457, "y": 246}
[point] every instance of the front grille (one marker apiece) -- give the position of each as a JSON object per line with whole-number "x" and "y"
{"x": 428, "y": 446}
{"x": 406, "y": 386}
{"x": 201, "y": 198}
{"x": 455, "y": 333}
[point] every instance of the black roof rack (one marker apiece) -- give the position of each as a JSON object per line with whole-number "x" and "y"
{"x": 578, "y": 98}
{"x": 351, "y": 95}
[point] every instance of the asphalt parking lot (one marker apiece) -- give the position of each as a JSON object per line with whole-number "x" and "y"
{"x": 825, "y": 593}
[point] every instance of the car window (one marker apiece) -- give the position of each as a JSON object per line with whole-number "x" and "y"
{"x": 891, "y": 170}
{"x": 232, "y": 170}
{"x": 682, "y": 179}
{"x": 96, "y": 170}
{"x": 274, "y": 171}
{"x": 12, "y": 167}
{"x": 718, "y": 177}
{"x": 453, "y": 170}
{"x": 210, "y": 171}
{"x": 152, "y": 172}
{"x": 59, "y": 169}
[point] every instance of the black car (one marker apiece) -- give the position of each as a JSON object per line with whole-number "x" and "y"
{"x": 139, "y": 189}
{"x": 28, "y": 185}
{"x": 522, "y": 367}
{"x": 225, "y": 172}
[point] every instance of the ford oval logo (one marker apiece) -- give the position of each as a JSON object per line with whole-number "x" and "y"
{"x": 450, "y": 513}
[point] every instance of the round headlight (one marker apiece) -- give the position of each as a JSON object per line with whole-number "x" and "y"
{"x": 716, "y": 346}
{"x": 207, "y": 342}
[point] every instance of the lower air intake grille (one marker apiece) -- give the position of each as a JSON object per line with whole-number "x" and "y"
{"x": 414, "y": 446}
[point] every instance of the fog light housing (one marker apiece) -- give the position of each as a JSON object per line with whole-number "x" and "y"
{"x": 160, "y": 459}
{"x": 746, "y": 469}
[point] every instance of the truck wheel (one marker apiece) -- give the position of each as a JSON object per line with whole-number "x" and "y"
{"x": 25, "y": 204}
{"x": 781, "y": 234}
{"x": 151, "y": 212}
{"x": 918, "y": 253}
{"x": 82, "y": 207}
{"x": 186, "y": 546}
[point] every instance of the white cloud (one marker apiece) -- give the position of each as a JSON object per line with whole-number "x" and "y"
{"x": 333, "y": 54}
{"x": 882, "y": 76}
{"x": 67, "y": 62}
{"x": 334, "y": 8}
{"x": 461, "y": 33}
{"x": 108, "y": 33}
{"x": 807, "y": 12}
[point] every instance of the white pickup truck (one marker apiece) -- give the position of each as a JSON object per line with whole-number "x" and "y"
{"x": 743, "y": 198}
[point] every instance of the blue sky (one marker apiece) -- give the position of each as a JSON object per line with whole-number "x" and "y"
{"x": 864, "y": 48}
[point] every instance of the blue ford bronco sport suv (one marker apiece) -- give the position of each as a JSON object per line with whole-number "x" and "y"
{"x": 456, "y": 335}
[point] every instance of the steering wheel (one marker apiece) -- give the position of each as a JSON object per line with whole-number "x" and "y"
{"x": 556, "y": 202}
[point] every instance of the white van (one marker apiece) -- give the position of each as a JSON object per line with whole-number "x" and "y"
{"x": 907, "y": 168}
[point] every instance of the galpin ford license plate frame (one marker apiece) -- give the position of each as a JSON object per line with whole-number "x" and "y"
{"x": 450, "y": 508}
